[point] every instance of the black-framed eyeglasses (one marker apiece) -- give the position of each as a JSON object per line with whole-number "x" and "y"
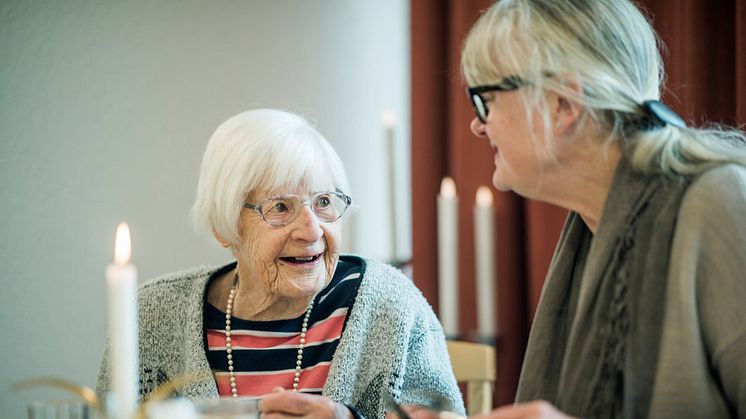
{"x": 478, "y": 101}
{"x": 282, "y": 210}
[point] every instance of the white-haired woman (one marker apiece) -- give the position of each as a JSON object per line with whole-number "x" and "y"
{"x": 642, "y": 310}
{"x": 337, "y": 332}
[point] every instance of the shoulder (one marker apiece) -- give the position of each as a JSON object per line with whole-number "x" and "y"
{"x": 388, "y": 289}
{"x": 172, "y": 299}
{"x": 176, "y": 283}
{"x": 388, "y": 304}
{"x": 709, "y": 250}
{"x": 727, "y": 181}
{"x": 716, "y": 199}
{"x": 381, "y": 277}
{"x": 710, "y": 235}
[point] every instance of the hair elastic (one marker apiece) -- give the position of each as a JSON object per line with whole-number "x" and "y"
{"x": 662, "y": 114}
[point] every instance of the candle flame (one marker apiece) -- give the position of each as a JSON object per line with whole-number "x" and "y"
{"x": 448, "y": 187}
{"x": 484, "y": 196}
{"x": 389, "y": 118}
{"x": 122, "y": 245}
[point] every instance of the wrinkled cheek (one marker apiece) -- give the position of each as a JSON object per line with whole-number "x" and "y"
{"x": 272, "y": 275}
{"x": 332, "y": 236}
{"x": 267, "y": 271}
{"x": 330, "y": 259}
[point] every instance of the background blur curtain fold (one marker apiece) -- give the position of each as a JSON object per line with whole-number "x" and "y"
{"x": 706, "y": 67}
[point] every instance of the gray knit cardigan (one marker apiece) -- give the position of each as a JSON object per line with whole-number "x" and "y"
{"x": 392, "y": 342}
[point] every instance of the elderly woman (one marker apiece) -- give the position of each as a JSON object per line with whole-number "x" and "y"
{"x": 338, "y": 332}
{"x": 642, "y": 310}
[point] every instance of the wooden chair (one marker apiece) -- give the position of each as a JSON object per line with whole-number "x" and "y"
{"x": 475, "y": 365}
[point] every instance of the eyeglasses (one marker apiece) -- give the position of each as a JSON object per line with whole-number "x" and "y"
{"x": 283, "y": 210}
{"x": 480, "y": 104}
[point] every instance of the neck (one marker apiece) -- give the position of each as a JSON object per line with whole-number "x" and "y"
{"x": 254, "y": 301}
{"x": 582, "y": 179}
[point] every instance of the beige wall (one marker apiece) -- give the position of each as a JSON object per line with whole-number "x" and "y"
{"x": 105, "y": 108}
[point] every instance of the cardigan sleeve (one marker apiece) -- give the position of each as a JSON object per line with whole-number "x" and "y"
{"x": 103, "y": 380}
{"x": 428, "y": 367}
{"x": 392, "y": 342}
{"x": 714, "y": 213}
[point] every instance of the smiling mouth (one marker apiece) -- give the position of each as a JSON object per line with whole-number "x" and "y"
{"x": 300, "y": 260}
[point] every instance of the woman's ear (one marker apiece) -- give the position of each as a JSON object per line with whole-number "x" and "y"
{"x": 223, "y": 242}
{"x": 566, "y": 108}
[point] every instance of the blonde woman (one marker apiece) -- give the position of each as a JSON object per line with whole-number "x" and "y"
{"x": 642, "y": 313}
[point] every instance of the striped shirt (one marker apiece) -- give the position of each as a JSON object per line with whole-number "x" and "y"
{"x": 265, "y": 352}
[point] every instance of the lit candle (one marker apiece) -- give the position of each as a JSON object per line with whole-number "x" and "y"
{"x": 389, "y": 119}
{"x": 121, "y": 278}
{"x": 447, "y": 256}
{"x": 485, "y": 250}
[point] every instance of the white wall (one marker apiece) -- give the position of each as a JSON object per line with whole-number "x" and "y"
{"x": 105, "y": 109}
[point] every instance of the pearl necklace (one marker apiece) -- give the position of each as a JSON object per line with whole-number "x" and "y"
{"x": 229, "y": 347}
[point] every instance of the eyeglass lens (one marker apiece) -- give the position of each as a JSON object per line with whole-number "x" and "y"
{"x": 480, "y": 107}
{"x": 282, "y": 210}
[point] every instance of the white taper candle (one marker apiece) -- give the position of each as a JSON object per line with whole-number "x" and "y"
{"x": 448, "y": 257}
{"x": 389, "y": 120}
{"x": 121, "y": 279}
{"x": 484, "y": 244}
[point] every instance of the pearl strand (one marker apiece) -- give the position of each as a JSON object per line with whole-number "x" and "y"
{"x": 229, "y": 346}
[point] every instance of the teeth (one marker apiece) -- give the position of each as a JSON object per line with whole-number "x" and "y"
{"x": 304, "y": 258}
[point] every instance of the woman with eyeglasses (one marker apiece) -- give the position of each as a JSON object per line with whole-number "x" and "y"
{"x": 642, "y": 312}
{"x": 336, "y": 332}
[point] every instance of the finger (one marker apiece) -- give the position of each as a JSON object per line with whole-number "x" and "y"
{"x": 506, "y": 412}
{"x": 278, "y": 389}
{"x": 300, "y": 404}
{"x": 328, "y": 410}
{"x": 534, "y": 409}
{"x": 277, "y": 415}
{"x": 288, "y": 402}
{"x": 419, "y": 412}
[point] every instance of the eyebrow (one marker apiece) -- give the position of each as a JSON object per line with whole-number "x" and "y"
{"x": 300, "y": 196}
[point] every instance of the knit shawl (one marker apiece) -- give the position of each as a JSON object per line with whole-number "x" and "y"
{"x": 595, "y": 355}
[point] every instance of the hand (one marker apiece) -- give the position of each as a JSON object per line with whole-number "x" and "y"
{"x": 537, "y": 409}
{"x": 282, "y": 404}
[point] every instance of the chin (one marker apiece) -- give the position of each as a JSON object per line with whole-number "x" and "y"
{"x": 306, "y": 286}
{"x": 499, "y": 184}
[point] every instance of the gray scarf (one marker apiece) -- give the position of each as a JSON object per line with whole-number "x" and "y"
{"x": 594, "y": 342}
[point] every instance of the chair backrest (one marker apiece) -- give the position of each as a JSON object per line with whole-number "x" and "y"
{"x": 475, "y": 365}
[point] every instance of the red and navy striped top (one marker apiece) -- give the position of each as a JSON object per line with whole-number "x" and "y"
{"x": 265, "y": 352}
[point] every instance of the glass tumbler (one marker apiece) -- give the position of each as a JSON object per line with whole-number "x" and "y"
{"x": 60, "y": 409}
{"x": 228, "y": 407}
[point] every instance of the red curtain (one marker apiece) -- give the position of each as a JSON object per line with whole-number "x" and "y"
{"x": 706, "y": 67}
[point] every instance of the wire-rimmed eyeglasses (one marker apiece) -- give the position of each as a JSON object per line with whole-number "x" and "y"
{"x": 282, "y": 210}
{"x": 478, "y": 101}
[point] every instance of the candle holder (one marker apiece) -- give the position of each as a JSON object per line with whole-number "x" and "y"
{"x": 61, "y": 409}
{"x": 85, "y": 405}
{"x": 92, "y": 407}
{"x": 475, "y": 336}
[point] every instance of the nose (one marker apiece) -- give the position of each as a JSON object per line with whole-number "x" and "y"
{"x": 307, "y": 227}
{"x": 477, "y": 127}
